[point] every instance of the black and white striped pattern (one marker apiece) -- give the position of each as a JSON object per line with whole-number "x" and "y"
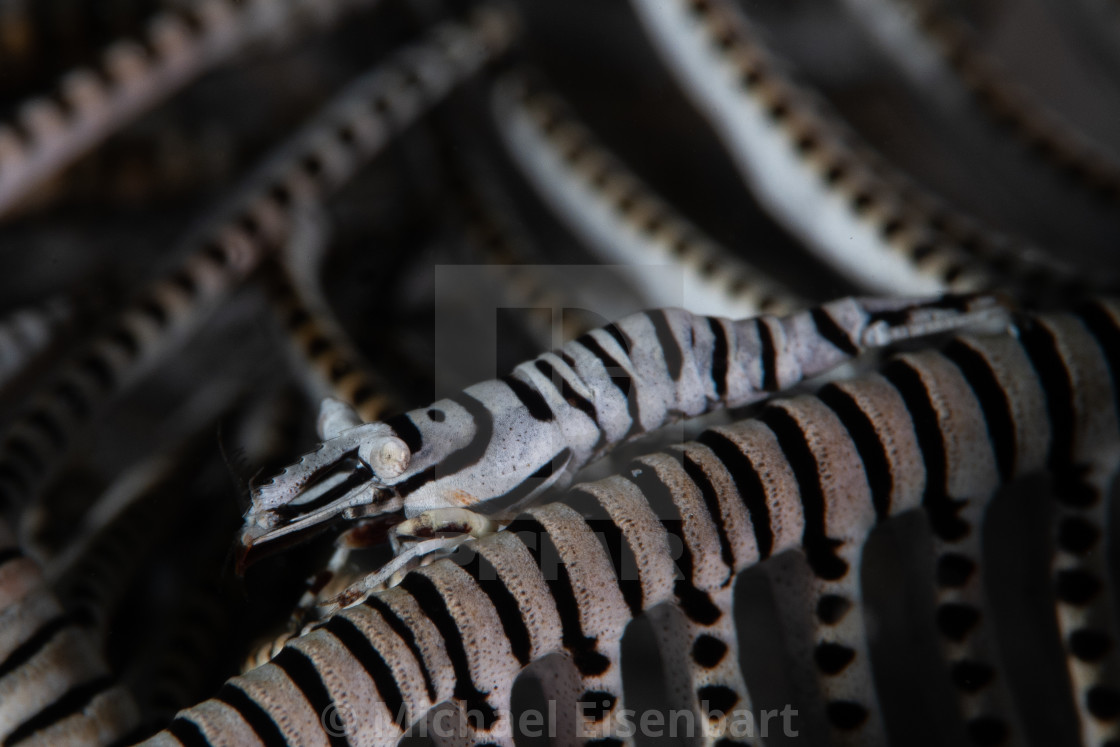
{"x": 616, "y": 214}
{"x": 498, "y": 444}
{"x": 856, "y": 212}
{"x": 346, "y": 133}
{"x": 495, "y": 233}
{"x": 915, "y": 32}
{"x": 330, "y": 365}
{"x": 813, "y": 473}
{"x": 55, "y": 687}
{"x": 135, "y": 74}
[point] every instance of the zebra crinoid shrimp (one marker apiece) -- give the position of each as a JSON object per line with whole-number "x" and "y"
{"x": 499, "y": 444}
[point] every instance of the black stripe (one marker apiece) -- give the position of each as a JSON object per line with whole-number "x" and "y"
{"x": 317, "y": 347}
{"x": 833, "y": 332}
{"x": 695, "y": 604}
{"x": 44, "y": 421}
{"x": 406, "y": 431}
{"x": 994, "y": 402}
{"x": 620, "y": 337}
{"x": 151, "y": 308}
{"x": 297, "y": 318}
{"x": 8, "y": 554}
{"x": 359, "y": 474}
{"x": 188, "y": 733}
{"x": 1103, "y": 327}
{"x": 597, "y": 705}
{"x": 9, "y": 473}
{"x": 668, "y": 341}
{"x": 942, "y": 509}
{"x": 570, "y": 395}
{"x": 431, "y": 601}
{"x": 700, "y": 478}
{"x": 359, "y": 646}
{"x": 533, "y": 401}
{"x": 769, "y": 356}
{"x": 619, "y": 378}
{"x": 587, "y": 659}
{"x": 183, "y": 281}
{"x": 302, "y": 671}
{"x": 614, "y": 543}
{"x": 22, "y": 449}
{"x": 512, "y": 497}
{"x": 819, "y": 547}
{"x": 475, "y": 451}
{"x": 340, "y": 368}
{"x": 719, "y": 356}
{"x": 1042, "y": 349}
{"x": 69, "y": 703}
{"x": 36, "y": 643}
{"x": 74, "y": 397}
{"x": 258, "y": 719}
{"x": 406, "y": 634}
{"x": 98, "y": 368}
{"x": 748, "y": 484}
{"x": 460, "y": 459}
{"x": 509, "y": 611}
{"x": 615, "y": 371}
{"x": 916, "y": 395}
{"x": 872, "y": 452}
{"x": 125, "y": 340}
{"x": 660, "y": 500}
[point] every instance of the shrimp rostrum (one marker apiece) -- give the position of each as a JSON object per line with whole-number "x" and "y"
{"x": 499, "y": 444}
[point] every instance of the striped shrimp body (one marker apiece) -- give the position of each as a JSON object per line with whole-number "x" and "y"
{"x": 497, "y": 445}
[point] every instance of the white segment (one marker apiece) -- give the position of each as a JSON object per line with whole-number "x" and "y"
{"x": 780, "y": 178}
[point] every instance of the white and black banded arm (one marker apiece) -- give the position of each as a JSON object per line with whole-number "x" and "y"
{"x": 326, "y": 360}
{"x": 55, "y": 687}
{"x": 345, "y": 134}
{"x": 860, "y": 214}
{"x": 1077, "y": 361}
{"x": 620, "y": 218}
{"x": 497, "y": 233}
{"x": 940, "y": 53}
{"x": 133, "y": 75}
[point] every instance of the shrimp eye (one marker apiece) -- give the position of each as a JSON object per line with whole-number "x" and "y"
{"x": 387, "y": 456}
